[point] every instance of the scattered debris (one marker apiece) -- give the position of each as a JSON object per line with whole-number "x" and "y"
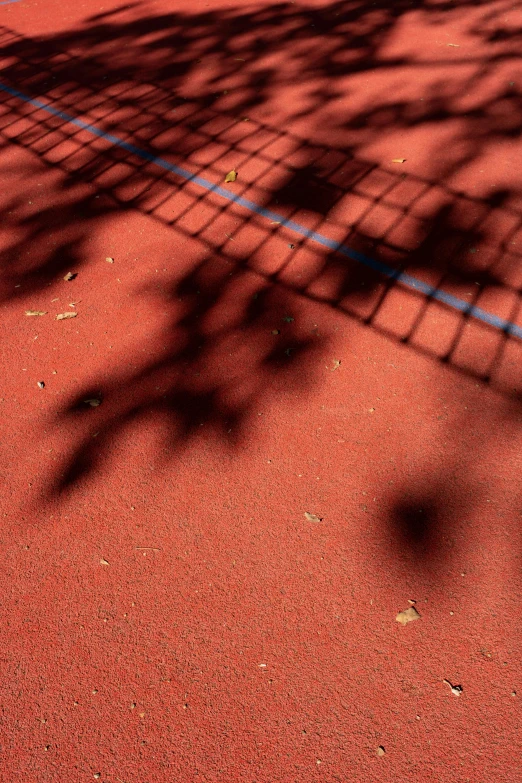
{"x": 455, "y": 689}
{"x": 336, "y": 364}
{"x": 275, "y": 223}
{"x": 36, "y": 312}
{"x": 291, "y": 246}
{"x": 245, "y": 119}
{"x": 41, "y": 385}
{"x": 398, "y": 160}
{"x": 288, "y": 319}
{"x": 408, "y": 616}
{"x": 73, "y": 304}
{"x": 380, "y": 751}
{"x": 70, "y": 276}
{"x": 275, "y": 331}
{"x": 231, "y": 176}
{"x": 230, "y": 237}
{"x": 94, "y": 402}
{"x": 457, "y": 46}
{"x": 371, "y": 410}
{"x": 152, "y": 548}
{"x": 262, "y": 665}
{"x": 313, "y": 517}
{"x": 63, "y": 316}
{"x": 110, "y": 260}
{"x": 239, "y": 59}
{"x": 104, "y": 562}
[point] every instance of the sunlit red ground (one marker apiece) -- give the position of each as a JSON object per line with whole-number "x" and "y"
{"x": 169, "y": 612}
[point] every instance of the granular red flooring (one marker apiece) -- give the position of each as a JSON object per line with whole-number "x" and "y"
{"x": 201, "y": 574}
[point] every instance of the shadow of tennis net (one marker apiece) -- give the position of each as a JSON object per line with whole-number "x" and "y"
{"x": 467, "y": 247}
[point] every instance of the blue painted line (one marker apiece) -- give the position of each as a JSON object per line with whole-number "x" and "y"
{"x": 393, "y": 274}
{"x": 8, "y": 2}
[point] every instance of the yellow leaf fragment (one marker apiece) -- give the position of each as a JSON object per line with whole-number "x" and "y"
{"x": 408, "y": 616}
{"x": 312, "y": 517}
{"x": 455, "y": 689}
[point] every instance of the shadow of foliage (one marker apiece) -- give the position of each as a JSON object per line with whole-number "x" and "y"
{"x": 198, "y": 89}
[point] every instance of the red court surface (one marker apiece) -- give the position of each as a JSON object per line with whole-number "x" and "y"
{"x": 201, "y": 574}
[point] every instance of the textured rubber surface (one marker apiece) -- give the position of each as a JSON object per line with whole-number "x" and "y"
{"x": 169, "y": 612}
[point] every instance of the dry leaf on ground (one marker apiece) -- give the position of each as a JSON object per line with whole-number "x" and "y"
{"x": 408, "y": 616}
{"x": 104, "y": 562}
{"x": 62, "y": 316}
{"x": 94, "y": 402}
{"x": 70, "y": 276}
{"x": 455, "y": 689}
{"x": 231, "y": 176}
{"x": 313, "y": 517}
{"x": 110, "y": 260}
{"x": 380, "y": 751}
{"x": 399, "y": 160}
{"x": 36, "y": 312}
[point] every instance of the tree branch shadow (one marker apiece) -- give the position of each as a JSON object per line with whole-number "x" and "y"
{"x": 181, "y": 87}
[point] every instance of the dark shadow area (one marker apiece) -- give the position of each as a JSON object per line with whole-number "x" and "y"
{"x": 182, "y": 87}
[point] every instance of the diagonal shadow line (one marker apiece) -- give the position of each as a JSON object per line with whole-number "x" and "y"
{"x": 336, "y": 305}
{"x": 395, "y": 275}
